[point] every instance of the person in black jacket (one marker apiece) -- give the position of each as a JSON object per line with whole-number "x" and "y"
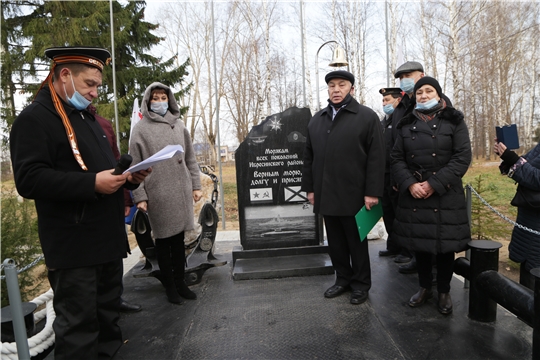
{"x": 343, "y": 171}
{"x": 408, "y": 74}
{"x": 391, "y": 99}
{"x": 62, "y": 159}
{"x": 430, "y": 157}
{"x": 524, "y": 247}
{"x": 123, "y": 306}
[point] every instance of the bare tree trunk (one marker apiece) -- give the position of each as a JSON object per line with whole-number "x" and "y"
{"x": 267, "y": 53}
{"x": 362, "y": 35}
{"x": 308, "y": 75}
{"x": 334, "y": 18}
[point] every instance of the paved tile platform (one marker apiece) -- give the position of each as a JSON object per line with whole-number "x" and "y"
{"x": 289, "y": 318}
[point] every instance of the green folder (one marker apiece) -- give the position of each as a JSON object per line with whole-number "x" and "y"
{"x": 366, "y": 220}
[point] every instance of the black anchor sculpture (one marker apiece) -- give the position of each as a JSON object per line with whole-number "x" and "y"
{"x": 200, "y": 253}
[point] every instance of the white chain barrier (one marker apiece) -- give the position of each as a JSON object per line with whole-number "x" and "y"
{"x": 42, "y": 340}
{"x": 502, "y": 216}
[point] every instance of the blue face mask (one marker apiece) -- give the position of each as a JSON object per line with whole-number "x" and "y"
{"x": 78, "y": 101}
{"x": 159, "y": 107}
{"x": 388, "y": 109}
{"x": 407, "y": 85}
{"x": 427, "y": 105}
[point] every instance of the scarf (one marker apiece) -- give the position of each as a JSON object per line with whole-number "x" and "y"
{"x": 68, "y": 59}
{"x": 343, "y": 102}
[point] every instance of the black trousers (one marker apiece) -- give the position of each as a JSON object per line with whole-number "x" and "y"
{"x": 445, "y": 270}
{"x": 389, "y": 204}
{"x": 86, "y": 301}
{"x": 171, "y": 256}
{"x": 349, "y": 255}
{"x": 525, "y": 277}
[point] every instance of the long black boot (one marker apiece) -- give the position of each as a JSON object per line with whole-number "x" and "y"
{"x": 163, "y": 253}
{"x": 179, "y": 268}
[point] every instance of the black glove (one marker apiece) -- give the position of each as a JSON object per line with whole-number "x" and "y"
{"x": 509, "y": 157}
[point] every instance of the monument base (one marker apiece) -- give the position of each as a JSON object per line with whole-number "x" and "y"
{"x": 281, "y": 262}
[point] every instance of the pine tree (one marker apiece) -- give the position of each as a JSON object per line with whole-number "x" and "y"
{"x": 12, "y": 47}
{"x": 484, "y": 223}
{"x": 72, "y": 23}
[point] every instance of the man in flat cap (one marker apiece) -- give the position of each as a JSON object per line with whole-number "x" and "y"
{"x": 62, "y": 159}
{"x": 343, "y": 171}
{"x": 408, "y": 73}
{"x": 391, "y": 97}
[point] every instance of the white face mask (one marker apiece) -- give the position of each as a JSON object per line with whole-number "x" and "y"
{"x": 159, "y": 108}
{"x": 389, "y": 108}
{"x": 78, "y": 101}
{"x": 407, "y": 85}
{"x": 427, "y": 105}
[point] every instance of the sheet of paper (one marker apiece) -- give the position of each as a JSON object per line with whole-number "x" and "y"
{"x": 366, "y": 220}
{"x": 166, "y": 153}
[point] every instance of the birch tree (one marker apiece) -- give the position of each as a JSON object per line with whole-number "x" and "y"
{"x": 307, "y": 61}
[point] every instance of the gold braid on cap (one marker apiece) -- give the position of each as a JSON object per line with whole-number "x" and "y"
{"x": 80, "y": 59}
{"x": 72, "y": 139}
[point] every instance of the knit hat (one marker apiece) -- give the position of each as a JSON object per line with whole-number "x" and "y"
{"x": 427, "y": 80}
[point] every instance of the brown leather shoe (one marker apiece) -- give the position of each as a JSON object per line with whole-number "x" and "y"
{"x": 420, "y": 297}
{"x": 445, "y": 303}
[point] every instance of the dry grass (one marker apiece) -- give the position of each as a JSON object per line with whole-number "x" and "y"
{"x": 230, "y": 197}
{"x": 499, "y": 192}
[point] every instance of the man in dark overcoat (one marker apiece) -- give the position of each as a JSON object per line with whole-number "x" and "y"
{"x": 62, "y": 159}
{"x": 343, "y": 171}
{"x": 123, "y": 306}
{"x": 391, "y": 99}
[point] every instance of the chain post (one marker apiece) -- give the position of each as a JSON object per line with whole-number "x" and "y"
{"x": 468, "y": 194}
{"x": 14, "y": 294}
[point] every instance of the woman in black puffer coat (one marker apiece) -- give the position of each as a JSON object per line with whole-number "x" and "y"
{"x": 429, "y": 158}
{"x": 524, "y": 247}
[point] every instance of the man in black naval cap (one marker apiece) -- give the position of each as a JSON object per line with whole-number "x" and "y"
{"x": 343, "y": 171}
{"x": 62, "y": 159}
{"x": 391, "y": 97}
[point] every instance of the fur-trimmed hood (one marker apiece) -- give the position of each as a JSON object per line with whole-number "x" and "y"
{"x": 449, "y": 113}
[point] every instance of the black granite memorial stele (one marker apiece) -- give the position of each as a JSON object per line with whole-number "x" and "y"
{"x": 275, "y": 216}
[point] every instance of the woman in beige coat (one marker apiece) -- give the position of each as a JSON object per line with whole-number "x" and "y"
{"x": 168, "y": 193}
